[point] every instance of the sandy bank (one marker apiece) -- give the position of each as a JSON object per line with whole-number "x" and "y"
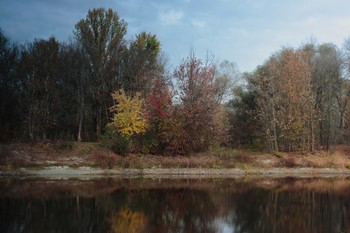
{"x": 89, "y": 172}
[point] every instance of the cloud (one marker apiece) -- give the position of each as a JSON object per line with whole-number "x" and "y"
{"x": 171, "y": 17}
{"x": 198, "y": 23}
{"x": 324, "y": 28}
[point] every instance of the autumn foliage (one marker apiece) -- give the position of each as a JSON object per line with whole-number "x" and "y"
{"x": 191, "y": 120}
{"x": 160, "y": 111}
{"x": 297, "y": 100}
{"x": 286, "y": 101}
{"x": 199, "y": 95}
{"x": 128, "y": 118}
{"x": 158, "y": 101}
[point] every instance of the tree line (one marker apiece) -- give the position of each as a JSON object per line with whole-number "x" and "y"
{"x": 297, "y": 100}
{"x": 101, "y": 86}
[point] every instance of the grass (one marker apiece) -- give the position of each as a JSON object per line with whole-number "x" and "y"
{"x": 105, "y": 160}
{"x": 278, "y": 154}
{"x": 224, "y": 153}
{"x": 90, "y": 154}
{"x": 64, "y": 145}
{"x": 85, "y": 148}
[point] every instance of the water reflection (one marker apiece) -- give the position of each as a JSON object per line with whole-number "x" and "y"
{"x": 127, "y": 220}
{"x": 136, "y": 205}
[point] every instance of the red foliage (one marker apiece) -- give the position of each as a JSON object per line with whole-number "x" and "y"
{"x": 194, "y": 123}
{"x": 159, "y": 101}
{"x": 174, "y": 135}
{"x": 200, "y": 102}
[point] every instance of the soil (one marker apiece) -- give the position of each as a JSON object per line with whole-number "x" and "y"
{"x": 86, "y": 158}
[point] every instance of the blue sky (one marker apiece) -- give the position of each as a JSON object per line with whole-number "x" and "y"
{"x": 242, "y": 31}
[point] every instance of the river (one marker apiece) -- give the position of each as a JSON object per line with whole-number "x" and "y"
{"x": 131, "y": 205}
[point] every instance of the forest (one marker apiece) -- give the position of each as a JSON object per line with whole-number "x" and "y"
{"x": 102, "y": 87}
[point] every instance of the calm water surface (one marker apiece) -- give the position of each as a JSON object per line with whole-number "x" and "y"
{"x": 175, "y": 205}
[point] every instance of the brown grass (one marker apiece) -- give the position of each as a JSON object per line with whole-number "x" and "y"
{"x": 90, "y": 154}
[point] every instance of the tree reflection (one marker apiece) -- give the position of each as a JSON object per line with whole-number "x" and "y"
{"x": 126, "y": 220}
{"x": 183, "y": 211}
{"x": 56, "y": 214}
{"x": 273, "y": 211}
{"x": 237, "y": 207}
{"x": 171, "y": 210}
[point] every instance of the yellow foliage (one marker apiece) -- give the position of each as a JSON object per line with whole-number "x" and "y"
{"x": 128, "y": 117}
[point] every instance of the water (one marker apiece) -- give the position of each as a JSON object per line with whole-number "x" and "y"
{"x": 175, "y": 205}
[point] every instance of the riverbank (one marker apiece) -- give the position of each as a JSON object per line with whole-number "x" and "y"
{"x": 65, "y": 172}
{"x": 84, "y": 160}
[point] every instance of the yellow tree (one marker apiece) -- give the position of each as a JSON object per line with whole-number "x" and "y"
{"x": 128, "y": 117}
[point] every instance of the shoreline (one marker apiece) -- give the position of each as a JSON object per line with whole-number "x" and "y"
{"x": 66, "y": 172}
{"x": 89, "y": 161}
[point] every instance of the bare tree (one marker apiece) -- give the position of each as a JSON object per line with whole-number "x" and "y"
{"x": 227, "y": 77}
{"x": 39, "y": 69}
{"x": 328, "y": 86}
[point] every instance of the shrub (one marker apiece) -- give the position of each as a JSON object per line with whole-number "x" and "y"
{"x": 64, "y": 145}
{"x": 290, "y": 163}
{"x": 105, "y": 160}
{"x": 114, "y": 141}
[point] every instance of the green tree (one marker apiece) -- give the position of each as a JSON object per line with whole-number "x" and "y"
{"x": 140, "y": 65}
{"x": 244, "y": 127}
{"x": 101, "y": 35}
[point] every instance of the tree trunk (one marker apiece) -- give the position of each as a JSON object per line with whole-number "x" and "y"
{"x": 31, "y": 133}
{"x": 44, "y": 135}
{"x": 312, "y": 135}
{"x": 99, "y": 122}
{"x": 275, "y": 143}
{"x": 30, "y": 125}
{"x": 81, "y": 117}
{"x": 80, "y": 127}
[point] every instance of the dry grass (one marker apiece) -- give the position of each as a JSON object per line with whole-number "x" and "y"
{"x": 90, "y": 154}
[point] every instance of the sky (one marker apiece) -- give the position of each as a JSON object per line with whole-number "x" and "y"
{"x": 245, "y": 32}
